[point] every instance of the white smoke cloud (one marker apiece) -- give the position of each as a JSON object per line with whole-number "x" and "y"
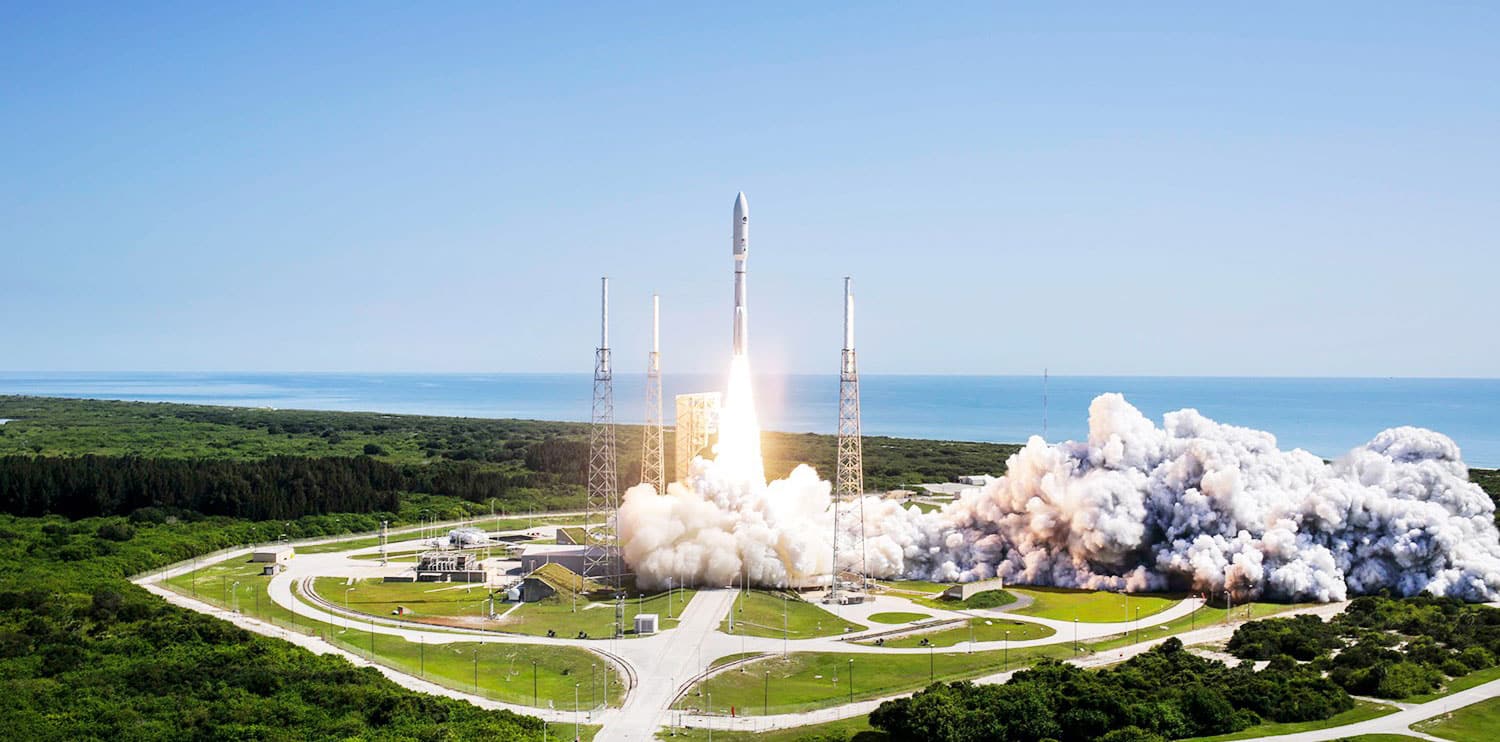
{"x": 1185, "y": 506}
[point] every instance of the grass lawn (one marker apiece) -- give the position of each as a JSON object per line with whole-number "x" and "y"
{"x": 1463, "y": 682}
{"x": 803, "y": 681}
{"x": 1089, "y": 606}
{"x": 441, "y": 601}
{"x": 857, "y": 729}
{"x": 1477, "y": 722}
{"x": 503, "y": 671}
{"x": 1378, "y": 738}
{"x": 1362, "y": 711}
{"x": 915, "y": 586}
{"x": 986, "y": 599}
{"x": 596, "y": 619}
{"x": 1198, "y": 619}
{"x": 215, "y": 585}
{"x": 897, "y": 617}
{"x": 980, "y": 629}
{"x": 759, "y": 613}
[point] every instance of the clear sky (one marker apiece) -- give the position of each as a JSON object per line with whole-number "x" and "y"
{"x": 1267, "y": 189}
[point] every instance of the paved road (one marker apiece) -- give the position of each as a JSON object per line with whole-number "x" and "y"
{"x": 663, "y": 665}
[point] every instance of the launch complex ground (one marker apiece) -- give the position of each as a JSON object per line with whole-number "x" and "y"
{"x": 820, "y": 665}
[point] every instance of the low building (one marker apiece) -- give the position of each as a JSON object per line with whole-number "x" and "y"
{"x": 976, "y": 480}
{"x": 645, "y": 623}
{"x": 280, "y": 554}
{"x": 966, "y": 590}
{"x": 551, "y": 579}
{"x": 575, "y": 558}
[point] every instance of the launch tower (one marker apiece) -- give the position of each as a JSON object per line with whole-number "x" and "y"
{"x": 849, "y": 483}
{"x": 602, "y": 540}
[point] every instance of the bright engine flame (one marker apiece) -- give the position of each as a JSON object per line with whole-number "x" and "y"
{"x": 738, "y": 451}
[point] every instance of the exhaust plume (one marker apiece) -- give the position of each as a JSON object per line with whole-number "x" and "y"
{"x": 1192, "y": 505}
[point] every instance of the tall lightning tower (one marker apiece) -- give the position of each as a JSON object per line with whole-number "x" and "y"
{"x": 603, "y": 499}
{"x": 652, "y": 471}
{"x": 850, "y": 480}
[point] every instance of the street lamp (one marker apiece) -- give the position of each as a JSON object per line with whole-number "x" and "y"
{"x": 931, "y": 664}
{"x": 765, "y": 707}
{"x": 1007, "y": 650}
{"x": 476, "y": 669}
{"x": 346, "y": 606}
{"x": 576, "y": 736}
{"x": 1137, "y": 624}
{"x": 1075, "y": 634}
{"x": 235, "y": 590}
{"x": 533, "y": 683}
{"x": 851, "y": 680}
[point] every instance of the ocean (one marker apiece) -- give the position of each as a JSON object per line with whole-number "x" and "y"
{"x": 1324, "y": 416}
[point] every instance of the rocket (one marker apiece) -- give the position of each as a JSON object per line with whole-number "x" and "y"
{"x": 741, "y": 256}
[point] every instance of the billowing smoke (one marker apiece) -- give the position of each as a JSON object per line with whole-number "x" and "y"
{"x": 1194, "y": 505}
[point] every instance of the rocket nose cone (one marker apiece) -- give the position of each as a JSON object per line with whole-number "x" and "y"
{"x": 741, "y": 206}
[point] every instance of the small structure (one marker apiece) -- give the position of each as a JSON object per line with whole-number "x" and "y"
{"x": 966, "y": 590}
{"x": 468, "y": 536}
{"x": 899, "y": 494}
{"x": 551, "y": 579}
{"x": 272, "y": 569}
{"x": 450, "y": 566}
{"x": 280, "y": 554}
{"x": 645, "y": 623}
{"x": 976, "y": 480}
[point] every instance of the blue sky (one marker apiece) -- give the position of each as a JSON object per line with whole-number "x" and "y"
{"x": 1277, "y": 189}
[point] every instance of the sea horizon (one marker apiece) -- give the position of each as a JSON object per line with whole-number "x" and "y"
{"x": 1324, "y": 415}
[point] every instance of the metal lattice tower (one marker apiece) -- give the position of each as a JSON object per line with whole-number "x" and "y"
{"x": 603, "y": 499}
{"x": 850, "y": 479}
{"x": 697, "y": 419}
{"x": 652, "y": 470}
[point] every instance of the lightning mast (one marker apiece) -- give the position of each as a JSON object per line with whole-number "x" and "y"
{"x": 603, "y": 499}
{"x": 850, "y": 479}
{"x": 652, "y": 471}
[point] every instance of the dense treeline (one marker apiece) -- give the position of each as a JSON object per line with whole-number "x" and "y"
{"x": 85, "y": 654}
{"x": 1382, "y": 646}
{"x": 270, "y": 488}
{"x": 1166, "y": 693}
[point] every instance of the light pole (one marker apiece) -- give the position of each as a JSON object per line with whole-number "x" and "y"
{"x": 784, "y": 625}
{"x": 851, "y": 680}
{"x": 931, "y": 664}
{"x": 593, "y": 701}
{"x": 346, "y": 606}
{"x": 576, "y": 736}
{"x": 533, "y": 683}
{"x": 971, "y": 636}
{"x": 1075, "y": 635}
{"x": 765, "y": 703}
{"x": 1007, "y": 651}
{"x": 422, "y": 655}
{"x": 476, "y": 669}
{"x": 1137, "y": 624}
{"x": 235, "y": 590}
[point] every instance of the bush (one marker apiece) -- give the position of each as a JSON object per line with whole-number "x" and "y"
{"x": 374, "y": 449}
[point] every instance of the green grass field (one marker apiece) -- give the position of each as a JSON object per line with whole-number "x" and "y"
{"x": 450, "y": 665}
{"x": 1198, "y": 619}
{"x": 857, "y": 729}
{"x": 1362, "y": 711}
{"x": 1479, "y": 722}
{"x": 439, "y": 602}
{"x": 915, "y": 586}
{"x": 759, "y": 613}
{"x": 1463, "y": 682}
{"x": 894, "y": 617}
{"x": 979, "y": 629}
{"x": 597, "y": 621}
{"x": 804, "y": 681}
{"x": 1089, "y": 606}
{"x": 503, "y": 671}
{"x": 1378, "y": 738}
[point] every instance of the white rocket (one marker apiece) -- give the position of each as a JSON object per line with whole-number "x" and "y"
{"x": 741, "y": 255}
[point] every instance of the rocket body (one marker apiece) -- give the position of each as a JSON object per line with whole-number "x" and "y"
{"x": 741, "y": 256}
